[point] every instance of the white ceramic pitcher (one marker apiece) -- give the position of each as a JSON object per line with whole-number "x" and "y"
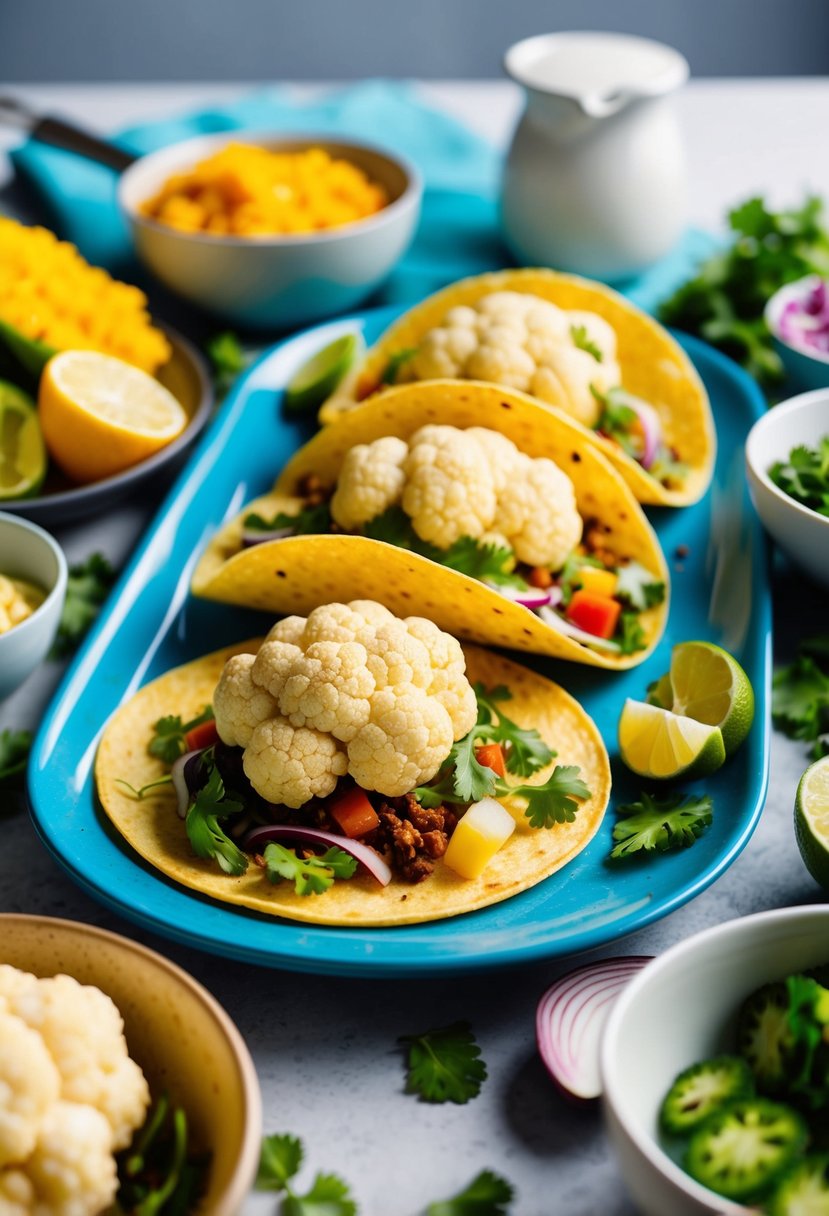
{"x": 595, "y": 177}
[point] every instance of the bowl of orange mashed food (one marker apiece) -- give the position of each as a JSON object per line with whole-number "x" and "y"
{"x": 271, "y": 232}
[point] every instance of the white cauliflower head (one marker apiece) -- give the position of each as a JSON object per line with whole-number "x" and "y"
{"x": 29, "y": 1086}
{"x": 370, "y": 481}
{"x": 239, "y": 704}
{"x": 72, "y": 1168}
{"x": 17, "y": 1195}
{"x": 450, "y": 490}
{"x": 501, "y": 453}
{"x": 537, "y": 512}
{"x": 335, "y": 687}
{"x": 289, "y": 629}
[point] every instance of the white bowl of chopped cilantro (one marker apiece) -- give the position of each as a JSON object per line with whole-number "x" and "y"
{"x": 787, "y": 462}
{"x": 696, "y": 1003}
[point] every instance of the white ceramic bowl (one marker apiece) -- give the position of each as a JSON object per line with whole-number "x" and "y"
{"x": 28, "y": 552}
{"x": 679, "y": 1010}
{"x": 801, "y": 532}
{"x": 274, "y": 282}
{"x": 805, "y": 369}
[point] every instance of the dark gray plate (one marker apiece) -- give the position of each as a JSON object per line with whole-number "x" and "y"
{"x": 60, "y": 502}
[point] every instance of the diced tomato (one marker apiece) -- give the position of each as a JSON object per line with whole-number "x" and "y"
{"x": 596, "y": 614}
{"x": 204, "y": 735}
{"x": 491, "y": 755}
{"x": 540, "y": 577}
{"x": 353, "y": 813}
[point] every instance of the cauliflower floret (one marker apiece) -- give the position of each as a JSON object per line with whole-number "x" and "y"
{"x": 397, "y": 659}
{"x": 403, "y": 745}
{"x": 538, "y": 513}
{"x": 502, "y": 359}
{"x": 334, "y": 623}
{"x": 501, "y": 453}
{"x": 371, "y": 480}
{"x": 448, "y": 683}
{"x": 29, "y": 1085}
{"x": 290, "y": 765}
{"x": 17, "y": 1195}
{"x": 240, "y": 704}
{"x": 289, "y": 629}
{"x": 273, "y": 666}
{"x": 548, "y": 320}
{"x": 72, "y": 1168}
{"x": 444, "y": 351}
{"x": 14, "y": 984}
{"x": 371, "y": 611}
{"x": 328, "y": 688}
{"x": 506, "y": 304}
{"x": 449, "y": 491}
{"x": 570, "y": 376}
{"x": 84, "y": 1033}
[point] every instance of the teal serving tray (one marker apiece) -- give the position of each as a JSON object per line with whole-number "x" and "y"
{"x": 720, "y": 592}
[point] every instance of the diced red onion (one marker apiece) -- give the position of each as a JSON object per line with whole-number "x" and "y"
{"x": 651, "y": 430}
{"x": 804, "y": 321}
{"x": 533, "y": 598}
{"x": 182, "y": 776}
{"x": 367, "y": 857}
{"x": 550, "y": 617}
{"x": 570, "y": 1018}
{"x": 253, "y": 536}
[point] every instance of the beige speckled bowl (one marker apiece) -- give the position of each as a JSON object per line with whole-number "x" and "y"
{"x": 181, "y": 1037}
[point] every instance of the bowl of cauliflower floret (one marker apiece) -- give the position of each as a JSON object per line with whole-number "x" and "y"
{"x": 111, "y": 1061}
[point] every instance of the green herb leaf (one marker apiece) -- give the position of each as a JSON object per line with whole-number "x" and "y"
{"x": 619, "y": 421}
{"x": 555, "y": 801}
{"x": 486, "y": 1195}
{"x": 280, "y": 1159}
{"x": 168, "y": 741}
{"x": 140, "y": 794}
{"x": 805, "y": 476}
{"x": 395, "y": 363}
{"x": 485, "y": 562}
{"x": 629, "y": 633}
{"x": 525, "y": 751}
{"x": 228, "y": 358}
{"x": 580, "y": 339}
{"x": 328, "y": 1196}
{"x": 569, "y": 578}
{"x": 309, "y": 521}
{"x": 207, "y": 838}
{"x": 444, "y": 1065}
{"x": 638, "y": 587}
{"x": 15, "y": 746}
{"x": 310, "y": 875}
{"x": 87, "y": 587}
{"x": 800, "y": 693}
{"x": 655, "y": 824}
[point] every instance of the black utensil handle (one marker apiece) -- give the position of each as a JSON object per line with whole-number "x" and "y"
{"x": 64, "y": 135}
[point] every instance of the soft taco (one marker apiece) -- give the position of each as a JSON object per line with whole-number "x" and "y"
{"x": 361, "y": 769}
{"x": 466, "y": 503}
{"x": 573, "y": 344}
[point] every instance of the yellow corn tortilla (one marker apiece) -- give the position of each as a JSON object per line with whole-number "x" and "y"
{"x": 654, "y": 367}
{"x": 155, "y": 831}
{"x": 296, "y": 574}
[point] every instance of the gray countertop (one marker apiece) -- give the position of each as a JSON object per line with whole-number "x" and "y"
{"x": 325, "y": 1048}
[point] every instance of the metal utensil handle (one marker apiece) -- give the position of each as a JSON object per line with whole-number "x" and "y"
{"x": 66, "y": 135}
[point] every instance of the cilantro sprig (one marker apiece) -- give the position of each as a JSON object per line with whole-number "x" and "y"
{"x": 228, "y": 359}
{"x": 805, "y": 476}
{"x": 308, "y": 521}
{"x": 487, "y": 1195}
{"x": 485, "y": 562}
{"x": 87, "y": 587}
{"x": 399, "y": 359}
{"x": 444, "y": 1065}
{"x": 207, "y": 837}
{"x": 635, "y": 585}
{"x": 800, "y": 696}
{"x": 582, "y": 340}
{"x": 310, "y": 875}
{"x": 168, "y": 741}
{"x": 655, "y": 824}
{"x": 280, "y": 1162}
{"x": 618, "y": 420}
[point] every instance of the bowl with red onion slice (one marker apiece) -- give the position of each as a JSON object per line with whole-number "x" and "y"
{"x": 798, "y": 317}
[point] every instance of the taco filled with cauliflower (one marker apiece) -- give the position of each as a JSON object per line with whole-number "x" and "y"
{"x": 354, "y": 768}
{"x": 465, "y": 503}
{"x": 576, "y": 346}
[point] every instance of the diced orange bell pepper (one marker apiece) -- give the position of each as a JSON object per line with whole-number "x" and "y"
{"x": 491, "y": 755}
{"x": 596, "y": 614}
{"x": 600, "y": 582}
{"x": 353, "y": 813}
{"x": 203, "y": 735}
{"x": 540, "y": 577}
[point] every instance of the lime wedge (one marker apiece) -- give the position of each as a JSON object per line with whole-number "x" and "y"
{"x": 811, "y": 820}
{"x": 29, "y": 353}
{"x": 22, "y": 452}
{"x": 656, "y": 743}
{"x": 317, "y": 379}
{"x": 710, "y": 686}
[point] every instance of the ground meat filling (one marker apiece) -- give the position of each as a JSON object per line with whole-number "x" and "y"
{"x": 412, "y": 837}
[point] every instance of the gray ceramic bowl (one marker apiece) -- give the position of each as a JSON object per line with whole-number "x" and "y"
{"x": 274, "y": 282}
{"x": 28, "y": 552}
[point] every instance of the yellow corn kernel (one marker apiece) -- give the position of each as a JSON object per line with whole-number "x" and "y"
{"x": 600, "y": 582}
{"x": 481, "y": 832}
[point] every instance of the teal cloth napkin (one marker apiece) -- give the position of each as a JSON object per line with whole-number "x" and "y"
{"x": 458, "y": 233}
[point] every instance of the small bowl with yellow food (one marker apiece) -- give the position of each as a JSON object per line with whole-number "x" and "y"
{"x": 271, "y": 231}
{"x": 32, "y": 590}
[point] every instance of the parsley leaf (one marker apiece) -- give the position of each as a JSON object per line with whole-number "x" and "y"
{"x": 280, "y": 1159}
{"x": 87, "y": 587}
{"x": 328, "y": 1196}
{"x": 311, "y": 875}
{"x": 629, "y": 633}
{"x": 396, "y": 361}
{"x": 485, "y": 562}
{"x": 444, "y": 1065}
{"x": 168, "y": 741}
{"x": 580, "y": 339}
{"x": 15, "y": 746}
{"x": 638, "y": 587}
{"x": 655, "y": 824}
{"x": 486, "y": 1195}
{"x": 207, "y": 838}
{"x": 805, "y": 476}
{"x": 308, "y": 521}
{"x": 228, "y": 358}
{"x": 525, "y": 751}
{"x": 800, "y": 696}
{"x": 555, "y": 801}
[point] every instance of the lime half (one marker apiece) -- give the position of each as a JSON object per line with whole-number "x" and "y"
{"x": 22, "y": 451}
{"x": 811, "y": 820}
{"x": 316, "y": 380}
{"x": 656, "y": 743}
{"x": 710, "y": 686}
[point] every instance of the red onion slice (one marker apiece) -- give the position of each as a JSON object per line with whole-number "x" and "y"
{"x": 570, "y": 1018}
{"x": 179, "y": 775}
{"x": 533, "y": 598}
{"x": 550, "y": 617}
{"x": 370, "y": 860}
{"x": 651, "y": 430}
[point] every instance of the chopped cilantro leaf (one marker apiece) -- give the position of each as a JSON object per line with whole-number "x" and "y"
{"x": 800, "y": 696}
{"x": 444, "y": 1065}
{"x": 280, "y": 1159}
{"x": 486, "y": 1195}
{"x": 629, "y": 633}
{"x": 206, "y": 837}
{"x": 805, "y": 476}
{"x": 638, "y": 587}
{"x": 655, "y": 824}
{"x": 580, "y": 339}
{"x": 308, "y": 521}
{"x": 618, "y": 420}
{"x": 310, "y": 875}
{"x": 168, "y": 741}
{"x": 554, "y": 801}
{"x": 484, "y": 562}
{"x": 15, "y": 746}
{"x": 396, "y": 361}
{"x": 87, "y": 587}
{"x": 525, "y": 751}
{"x": 328, "y": 1196}
{"x": 228, "y": 358}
